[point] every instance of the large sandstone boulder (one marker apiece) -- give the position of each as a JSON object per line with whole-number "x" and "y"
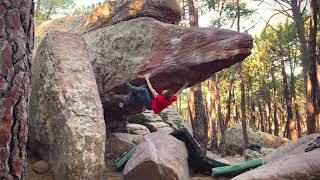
{"x": 66, "y": 116}
{"x": 234, "y": 139}
{"x": 173, "y": 54}
{"x": 113, "y": 12}
{"x": 160, "y": 156}
{"x": 119, "y": 143}
{"x": 288, "y": 162}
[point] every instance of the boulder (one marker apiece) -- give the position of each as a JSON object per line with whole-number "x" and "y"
{"x": 65, "y": 115}
{"x": 252, "y": 154}
{"x": 126, "y": 51}
{"x": 175, "y": 120}
{"x": 234, "y": 139}
{"x": 153, "y": 121}
{"x": 137, "y": 129}
{"x": 160, "y": 156}
{"x": 159, "y": 126}
{"x": 113, "y": 12}
{"x": 145, "y": 116}
{"x": 288, "y": 162}
{"x": 119, "y": 143}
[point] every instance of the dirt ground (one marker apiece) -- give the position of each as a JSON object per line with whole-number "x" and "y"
{"x": 109, "y": 174}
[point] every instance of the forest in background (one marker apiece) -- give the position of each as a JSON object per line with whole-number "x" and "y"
{"x": 275, "y": 90}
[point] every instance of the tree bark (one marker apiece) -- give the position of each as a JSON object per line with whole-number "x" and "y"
{"x": 275, "y": 118}
{"x": 243, "y": 110}
{"x": 198, "y": 116}
{"x": 228, "y": 116}
{"x": 269, "y": 111}
{"x": 16, "y": 44}
{"x": 243, "y": 95}
{"x": 298, "y": 19}
{"x": 294, "y": 98}
{"x": 261, "y": 116}
{"x": 222, "y": 144}
{"x": 313, "y": 107}
{"x": 290, "y": 125}
{"x": 212, "y": 113}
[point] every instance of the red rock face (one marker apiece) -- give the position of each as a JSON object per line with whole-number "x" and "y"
{"x": 172, "y": 54}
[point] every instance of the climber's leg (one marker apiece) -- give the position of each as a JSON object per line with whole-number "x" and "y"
{"x": 144, "y": 97}
{"x": 136, "y": 89}
{"x": 141, "y": 95}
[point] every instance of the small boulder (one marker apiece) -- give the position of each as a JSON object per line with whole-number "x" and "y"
{"x": 137, "y": 129}
{"x": 252, "y": 154}
{"x": 234, "y": 139}
{"x": 160, "y": 156}
{"x": 175, "y": 120}
{"x": 146, "y": 116}
{"x": 159, "y": 126}
{"x": 152, "y": 121}
{"x": 119, "y": 143}
{"x": 41, "y": 167}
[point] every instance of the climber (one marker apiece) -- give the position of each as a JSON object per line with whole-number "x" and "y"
{"x": 158, "y": 103}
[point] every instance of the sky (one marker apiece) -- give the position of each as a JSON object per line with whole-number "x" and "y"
{"x": 264, "y": 12}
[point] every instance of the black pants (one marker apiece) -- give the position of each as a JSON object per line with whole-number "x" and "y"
{"x": 140, "y": 95}
{"x": 198, "y": 160}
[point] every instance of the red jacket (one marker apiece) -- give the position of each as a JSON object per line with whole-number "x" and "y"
{"x": 160, "y": 102}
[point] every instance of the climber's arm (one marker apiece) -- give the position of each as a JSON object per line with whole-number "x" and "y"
{"x": 154, "y": 92}
{"x": 182, "y": 88}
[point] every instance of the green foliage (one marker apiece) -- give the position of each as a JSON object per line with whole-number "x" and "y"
{"x": 226, "y": 11}
{"x": 83, "y": 10}
{"x": 47, "y": 8}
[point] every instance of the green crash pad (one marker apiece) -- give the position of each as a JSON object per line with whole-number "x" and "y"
{"x": 120, "y": 163}
{"x": 237, "y": 168}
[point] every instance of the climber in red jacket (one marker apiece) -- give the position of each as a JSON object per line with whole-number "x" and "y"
{"x": 158, "y": 103}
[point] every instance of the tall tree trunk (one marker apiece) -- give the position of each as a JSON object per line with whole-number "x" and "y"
{"x": 222, "y": 125}
{"x": 298, "y": 19}
{"x": 313, "y": 107}
{"x": 243, "y": 95}
{"x": 235, "y": 109}
{"x": 212, "y": 113}
{"x": 275, "y": 117}
{"x": 269, "y": 112}
{"x": 243, "y": 110}
{"x": 294, "y": 98}
{"x": 261, "y": 116}
{"x": 193, "y": 13}
{"x": 252, "y": 122}
{"x": 198, "y": 114}
{"x": 228, "y": 117}
{"x": 16, "y": 44}
{"x": 290, "y": 125}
